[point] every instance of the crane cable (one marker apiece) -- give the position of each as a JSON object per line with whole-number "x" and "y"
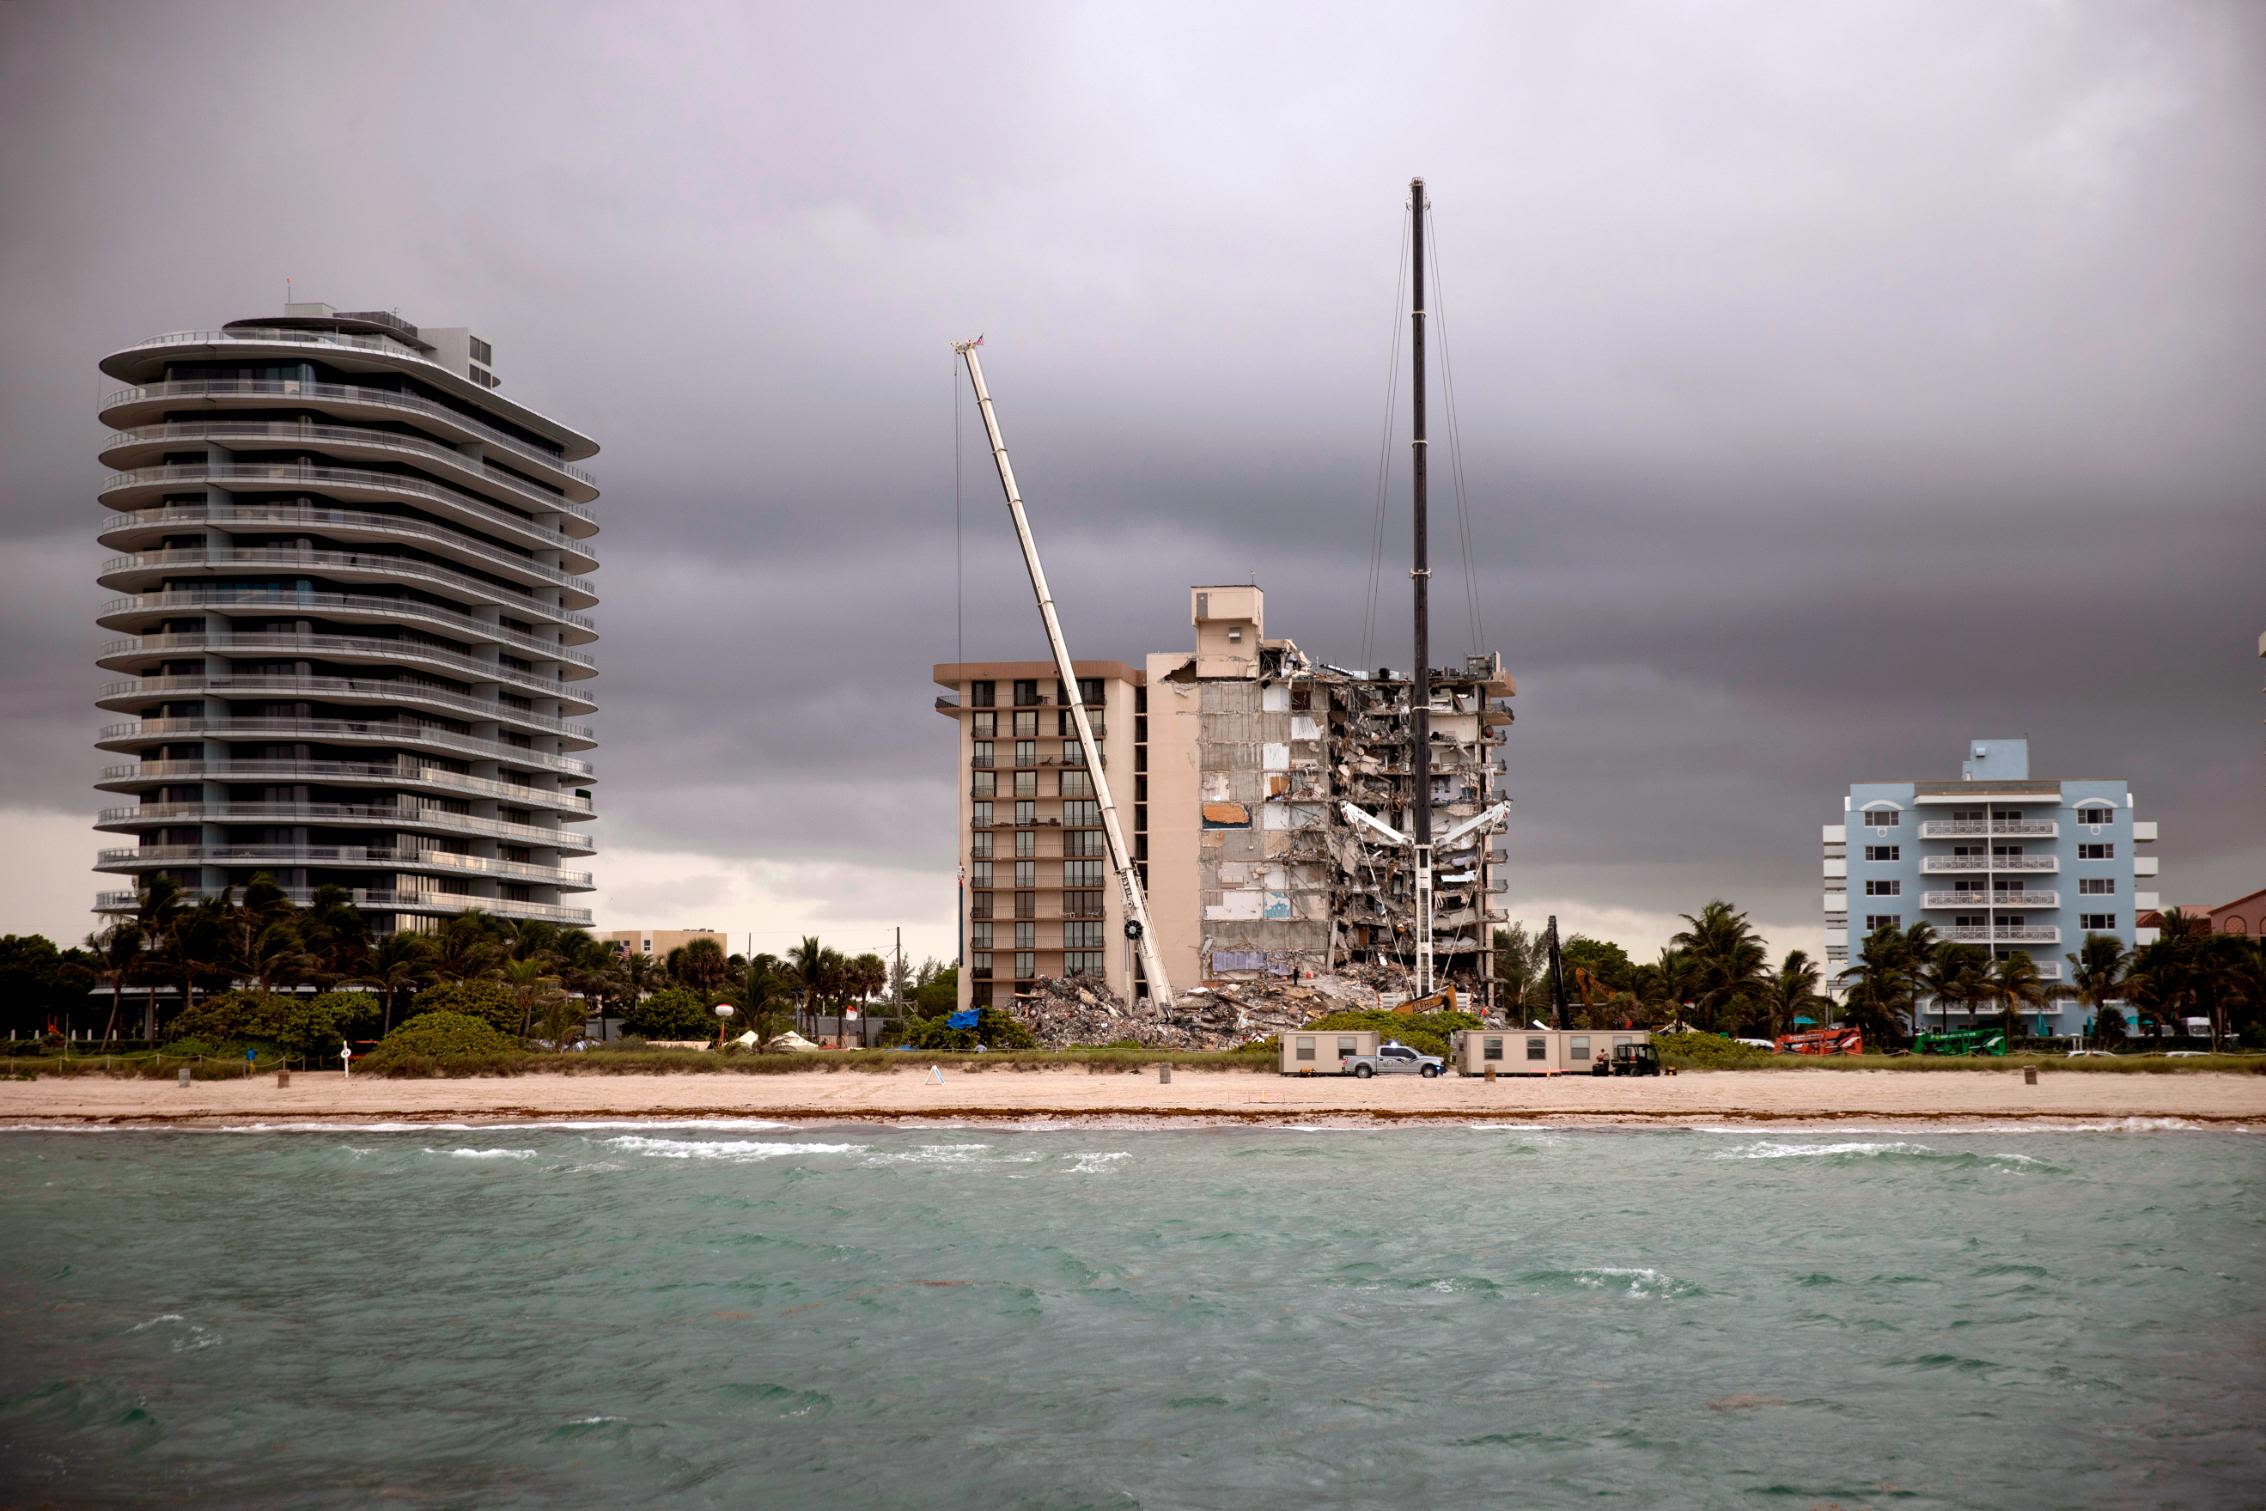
{"x": 1455, "y": 442}
{"x": 959, "y": 573}
{"x": 1384, "y": 460}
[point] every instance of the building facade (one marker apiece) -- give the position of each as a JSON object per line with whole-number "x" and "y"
{"x": 1230, "y": 766}
{"x": 1037, "y": 898}
{"x": 353, "y": 598}
{"x": 659, "y": 944}
{"x": 1997, "y": 859}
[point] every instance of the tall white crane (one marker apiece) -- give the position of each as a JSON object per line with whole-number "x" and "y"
{"x": 1360, "y": 819}
{"x": 1120, "y": 858}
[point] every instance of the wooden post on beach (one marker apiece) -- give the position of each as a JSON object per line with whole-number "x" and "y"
{"x": 1164, "y": 1075}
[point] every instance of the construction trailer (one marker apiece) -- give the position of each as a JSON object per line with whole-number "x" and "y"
{"x": 1536, "y": 1051}
{"x": 1320, "y": 1052}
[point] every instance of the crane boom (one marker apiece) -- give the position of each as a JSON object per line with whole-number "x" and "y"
{"x": 1120, "y": 858}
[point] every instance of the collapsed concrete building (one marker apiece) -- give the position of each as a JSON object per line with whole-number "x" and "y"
{"x": 1242, "y": 754}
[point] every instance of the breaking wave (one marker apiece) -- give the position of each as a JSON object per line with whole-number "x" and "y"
{"x": 725, "y": 1149}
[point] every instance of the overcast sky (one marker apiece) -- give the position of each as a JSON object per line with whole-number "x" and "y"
{"x": 1836, "y": 383}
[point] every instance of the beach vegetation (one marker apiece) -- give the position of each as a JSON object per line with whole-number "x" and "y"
{"x": 490, "y": 1001}
{"x": 283, "y": 1027}
{"x": 1426, "y": 1033}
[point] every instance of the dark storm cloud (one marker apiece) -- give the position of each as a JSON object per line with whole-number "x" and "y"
{"x": 1836, "y": 382}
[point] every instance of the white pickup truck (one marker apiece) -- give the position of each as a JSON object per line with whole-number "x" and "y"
{"x": 1394, "y": 1059}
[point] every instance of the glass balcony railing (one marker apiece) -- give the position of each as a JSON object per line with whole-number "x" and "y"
{"x": 346, "y": 731}
{"x": 369, "y": 605}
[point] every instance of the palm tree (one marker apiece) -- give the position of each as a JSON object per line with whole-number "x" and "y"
{"x": 2096, "y": 974}
{"x": 1957, "y": 977}
{"x": 1663, "y": 986}
{"x": 1728, "y": 960}
{"x": 118, "y": 959}
{"x": 808, "y": 963}
{"x": 398, "y": 964}
{"x": 160, "y": 913}
{"x": 266, "y": 951}
{"x": 1789, "y": 990}
{"x": 1877, "y": 991}
{"x": 336, "y": 935}
{"x": 2014, "y": 983}
{"x": 465, "y": 948}
{"x": 637, "y": 966}
{"x": 531, "y": 982}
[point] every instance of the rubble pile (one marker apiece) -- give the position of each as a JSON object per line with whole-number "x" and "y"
{"x": 1066, "y": 1014}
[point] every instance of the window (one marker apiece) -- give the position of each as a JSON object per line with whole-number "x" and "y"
{"x": 1081, "y": 873}
{"x": 1969, "y": 921}
{"x": 1026, "y": 936}
{"x": 1082, "y": 842}
{"x": 1026, "y": 843}
{"x": 2097, "y": 886}
{"x": 1884, "y": 852}
{"x": 979, "y": 754}
{"x": 2096, "y": 852}
{"x": 1969, "y": 815}
{"x": 981, "y": 849}
{"x": 1537, "y": 1047}
{"x": 482, "y": 352}
{"x": 1884, "y": 888}
{"x": 2096, "y": 815}
{"x": 1026, "y": 904}
{"x": 1305, "y": 1047}
{"x": 1026, "y": 725}
{"x": 1579, "y": 1047}
{"x": 1089, "y": 690}
{"x": 979, "y": 906}
{"x": 980, "y": 962}
{"x": 1082, "y": 963}
{"x": 1348, "y": 1045}
{"x": 979, "y": 875}
{"x": 1077, "y": 784}
{"x": 982, "y": 815}
{"x": 1026, "y": 784}
{"x": 1026, "y": 965}
{"x": 1081, "y": 814}
{"x": 1082, "y": 904}
{"x": 1082, "y": 935}
{"x": 984, "y": 725}
{"x": 1073, "y": 754}
{"x": 2097, "y": 923}
{"x": 1026, "y": 692}
{"x": 979, "y": 935}
{"x": 1026, "y": 811}
{"x": 982, "y": 694}
{"x": 1026, "y": 873}
{"x": 1881, "y": 921}
{"x": 985, "y": 784}
{"x": 1882, "y": 818}
{"x": 1026, "y": 752}
{"x": 1491, "y": 1047}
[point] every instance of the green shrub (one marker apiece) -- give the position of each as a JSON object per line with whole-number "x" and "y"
{"x": 676, "y": 1013}
{"x": 1705, "y": 1051}
{"x": 1426, "y": 1033}
{"x": 993, "y": 1030}
{"x": 438, "y": 1038}
{"x": 300, "y": 1028}
{"x": 489, "y": 1001}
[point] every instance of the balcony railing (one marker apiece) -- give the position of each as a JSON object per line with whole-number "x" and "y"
{"x": 337, "y": 855}
{"x": 386, "y": 526}
{"x": 147, "y": 772}
{"x": 369, "y": 398}
{"x": 283, "y": 432}
{"x": 406, "y": 732}
{"x": 1942, "y": 863}
{"x": 484, "y": 553}
{"x": 2003, "y": 934}
{"x": 393, "y": 689}
{"x": 374, "y": 647}
{"x": 2001, "y": 898}
{"x": 1998, "y": 828}
{"x": 413, "y": 902}
{"x": 287, "y": 601}
{"x": 392, "y": 568}
{"x": 155, "y": 815}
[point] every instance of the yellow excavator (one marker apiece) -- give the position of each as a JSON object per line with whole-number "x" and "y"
{"x": 1443, "y": 1000}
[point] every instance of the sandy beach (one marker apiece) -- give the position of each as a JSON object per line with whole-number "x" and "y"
{"x": 914, "y": 1094}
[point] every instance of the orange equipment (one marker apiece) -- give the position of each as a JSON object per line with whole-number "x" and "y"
{"x": 1824, "y": 1041}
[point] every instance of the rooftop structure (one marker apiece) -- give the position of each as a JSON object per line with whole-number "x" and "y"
{"x": 353, "y": 583}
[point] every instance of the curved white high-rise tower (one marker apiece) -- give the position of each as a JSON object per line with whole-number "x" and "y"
{"x": 354, "y": 583}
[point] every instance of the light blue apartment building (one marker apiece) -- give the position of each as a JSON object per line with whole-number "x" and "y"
{"x": 1997, "y": 859}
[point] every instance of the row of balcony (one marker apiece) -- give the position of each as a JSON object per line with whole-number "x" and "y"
{"x": 122, "y": 447}
{"x": 267, "y": 601}
{"x": 350, "y": 815}
{"x": 370, "y": 648}
{"x": 440, "y": 904}
{"x": 1992, "y": 828}
{"x": 382, "y": 401}
{"x": 1076, "y": 762}
{"x": 374, "y": 566}
{"x": 120, "y": 531}
{"x": 525, "y": 571}
{"x": 140, "y": 774}
{"x": 160, "y": 857}
{"x": 122, "y": 696}
{"x": 146, "y": 732}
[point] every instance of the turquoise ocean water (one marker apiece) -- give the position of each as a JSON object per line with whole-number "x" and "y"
{"x": 754, "y": 1315}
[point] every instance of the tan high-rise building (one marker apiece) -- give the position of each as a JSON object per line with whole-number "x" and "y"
{"x": 1037, "y": 896}
{"x": 1231, "y": 786}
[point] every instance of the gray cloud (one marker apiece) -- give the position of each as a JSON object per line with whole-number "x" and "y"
{"x": 1837, "y": 382}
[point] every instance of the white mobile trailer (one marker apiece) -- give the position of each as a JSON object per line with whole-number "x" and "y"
{"x": 1536, "y": 1051}
{"x": 1320, "y": 1052}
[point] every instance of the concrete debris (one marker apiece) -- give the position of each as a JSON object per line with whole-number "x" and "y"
{"x": 1081, "y": 1012}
